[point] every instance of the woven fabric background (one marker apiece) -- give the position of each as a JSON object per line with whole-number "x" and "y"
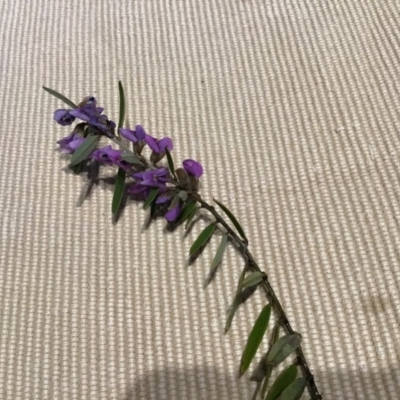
{"x": 293, "y": 109}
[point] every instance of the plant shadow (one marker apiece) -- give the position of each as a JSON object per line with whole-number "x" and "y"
{"x": 199, "y": 382}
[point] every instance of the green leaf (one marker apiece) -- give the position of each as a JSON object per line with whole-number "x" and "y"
{"x": 170, "y": 161}
{"x": 190, "y": 216}
{"x": 294, "y": 390}
{"x": 151, "y": 197}
{"x": 232, "y": 309}
{"x": 218, "y": 257}
{"x": 175, "y": 201}
{"x": 60, "y": 97}
{"x": 84, "y": 149}
{"x": 187, "y": 209}
{"x": 260, "y": 372}
{"x": 121, "y": 105}
{"x": 77, "y": 168}
{"x": 130, "y": 158}
{"x": 233, "y": 219}
{"x": 275, "y": 334}
{"x": 118, "y": 190}
{"x": 285, "y": 378}
{"x": 285, "y": 346}
{"x": 255, "y": 338}
{"x": 202, "y": 238}
{"x": 253, "y": 279}
{"x": 153, "y": 209}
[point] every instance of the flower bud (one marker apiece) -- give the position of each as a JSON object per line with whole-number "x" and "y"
{"x": 182, "y": 176}
{"x": 156, "y": 157}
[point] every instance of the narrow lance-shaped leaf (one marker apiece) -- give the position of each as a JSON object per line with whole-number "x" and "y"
{"x": 151, "y": 197}
{"x": 202, "y": 238}
{"x": 255, "y": 338}
{"x": 118, "y": 190}
{"x": 84, "y": 150}
{"x": 60, "y": 97}
{"x": 269, "y": 367}
{"x": 259, "y": 373}
{"x": 232, "y": 309}
{"x": 187, "y": 209}
{"x": 218, "y": 257}
{"x": 78, "y": 167}
{"x": 233, "y": 219}
{"x": 170, "y": 161}
{"x": 294, "y": 390}
{"x": 285, "y": 346}
{"x": 121, "y": 105}
{"x": 190, "y": 216}
{"x": 130, "y": 158}
{"x": 253, "y": 279}
{"x": 285, "y": 378}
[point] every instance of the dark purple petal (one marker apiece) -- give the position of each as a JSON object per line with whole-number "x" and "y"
{"x": 173, "y": 214}
{"x": 101, "y": 122}
{"x": 74, "y": 144}
{"x": 78, "y": 113}
{"x": 138, "y": 175}
{"x": 139, "y": 191}
{"x": 128, "y": 134}
{"x": 140, "y": 132}
{"x": 87, "y": 111}
{"x": 165, "y": 143}
{"x": 107, "y": 155}
{"x": 193, "y": 168}
{"x": 156, "y": 177}
{"x": 113, "y": 155}
{"x": 64, "y": 117}
{"x": 124, "y": 164}
{"x": 65, "y": 143}
{"x": 152, "y": 143}
{"x": 162, "y": 199}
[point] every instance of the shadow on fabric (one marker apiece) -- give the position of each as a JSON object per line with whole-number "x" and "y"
{"x": 202, "y": 383}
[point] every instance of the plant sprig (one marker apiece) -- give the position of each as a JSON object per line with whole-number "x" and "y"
{"x": 173, "y": 192}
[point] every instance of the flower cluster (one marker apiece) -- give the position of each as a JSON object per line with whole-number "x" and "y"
{"x": 170, "y": 189}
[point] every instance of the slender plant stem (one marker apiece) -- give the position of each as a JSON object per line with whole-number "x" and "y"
{"x": 252, "y": 264}
{"x": 242, "y": 246}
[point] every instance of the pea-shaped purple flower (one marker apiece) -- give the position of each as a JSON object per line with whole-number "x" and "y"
{"x": 193, "y": 168}
{"x": 64, "y": 117}
{"x": 159, "y": 146}
{"x": 87, "y": 109}
{"x": 134, "y": 136}
{"x": 70, "y": 143}
{"x": 109, "y": 156}
{"x": 153, "y": 177}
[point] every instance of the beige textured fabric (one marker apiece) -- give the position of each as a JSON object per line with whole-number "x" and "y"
{"x": 291, "y": 106}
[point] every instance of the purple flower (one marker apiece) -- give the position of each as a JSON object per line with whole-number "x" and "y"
{"x": 105, "y": 155}
{"x": 153, "y": 177}
{"x": 163, "y": 199}
{"x": 193, "y": 168}
{"x": 70, "y": 143}
{"x": 87, "y": 111}
{"x": 102, "y": 123}
{"x": 108, "y": 155}
{"x": 140, "y": 191}
{"x": 135, "y": 136}
{"x": 64, "y": 117}
{"x": 173, "y": 214}
{"x": 159, "y": 146}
